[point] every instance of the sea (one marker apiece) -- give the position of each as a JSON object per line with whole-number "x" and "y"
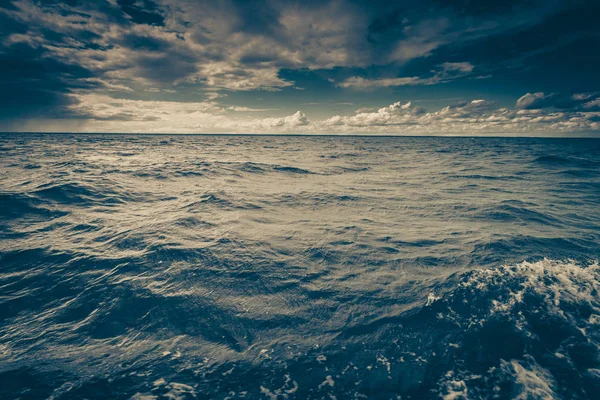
{"x": 298, "y": 267}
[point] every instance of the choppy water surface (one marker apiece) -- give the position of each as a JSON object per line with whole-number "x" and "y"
{"x": 219, "y": 267}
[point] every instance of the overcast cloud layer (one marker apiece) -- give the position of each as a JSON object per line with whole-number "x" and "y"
{"x": 189, "y": 66}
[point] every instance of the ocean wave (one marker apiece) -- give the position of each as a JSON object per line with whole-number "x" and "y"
{"x": 528, "y": 329}
{"x": 74, "y": 193}
{"x": 17, "y": 206}
{"x": 530, "y": 247}
{"x": 295, "y": 170}
{"x": 516, "y": 212}
{"x": 219, "y": 200}
{"x": 310, "y": 198}
{"x": 486, "y": 177}
{"x": 262, "y": 168}
{"x": 535, "y": 322}
{"x": 207, "y": 267}
{"x": 556, "y": 160}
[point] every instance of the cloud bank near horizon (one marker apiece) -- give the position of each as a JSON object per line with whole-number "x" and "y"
{"x": 105, "y": 114}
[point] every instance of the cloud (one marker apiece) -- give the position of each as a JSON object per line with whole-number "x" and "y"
{"x": 577, "y": 101}
{"x": 102, "y": 113}
{"x": 291, "y": 123}
{"x": 592, "y": 104}
{"x": 473, "y": 117}
{"x": 245, "y": 109}
{"x": 142, "y": 12}
{"x": 395, "y": 114}
{"x": 443, "y": 73}
{"x": 452, "y": 69}
{"x": 146, "y": 43}
{"x": 222, "y": 75}
{"x": 106, "y": 108}
{"x": 357, "y": 82}
{"x": 54, "y": 53}
{"x": 531, "y": 101}
{"x": 239, "y": 45}
{"x": 35, "y": 85}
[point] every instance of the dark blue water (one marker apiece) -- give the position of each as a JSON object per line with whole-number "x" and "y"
{"x": 213, "y": 267}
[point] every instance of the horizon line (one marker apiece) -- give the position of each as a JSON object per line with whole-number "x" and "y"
{"x": 580, "y": 135}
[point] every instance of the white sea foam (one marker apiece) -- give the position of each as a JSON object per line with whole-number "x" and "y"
{"x": 289, "y": 388}
{"x": 179, "y": 391}
{"x": 520, "y": 295}
{"x": 141, "y": 396}
{"x": 454, "y": 388}
{"x": 432, "y": 298}
{"x": 384, "y": 361}
{"x": 533, "y": 381}
{"x": 327, "y": 382}
{"x": 556, "y": 284}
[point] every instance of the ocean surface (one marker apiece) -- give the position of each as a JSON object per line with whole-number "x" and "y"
{"x": 229, "y": 267}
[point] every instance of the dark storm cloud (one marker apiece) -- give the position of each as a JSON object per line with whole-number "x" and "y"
{"x": 38, "y": 78}
{"x": 32, "y": 81}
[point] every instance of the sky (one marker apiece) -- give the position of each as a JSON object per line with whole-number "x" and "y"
{"x": 447, "y": 67}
